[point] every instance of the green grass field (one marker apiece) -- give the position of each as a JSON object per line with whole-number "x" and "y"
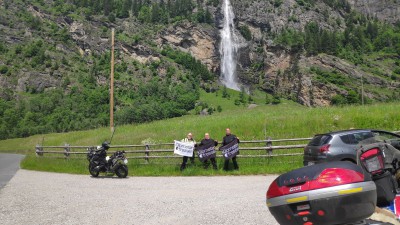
{"x": 286, "y": 120}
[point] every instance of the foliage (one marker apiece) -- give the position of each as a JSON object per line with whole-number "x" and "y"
{"x": 268, "y": 99}
{"x": 199, "y": 70}
{"x": 225, "y": 93}
{"x": 283, "y": 121}
{"x": 350, "y": 98}
{"x": 3, "y": 69}
{"x": 291, "y": 38}
{"x": 276, "y": 100}
{"x": 359, "y": 38}
{"x": 333, "y": 77}
{"x": 245, "y": 31}
{"x": 277, "y": 3}
{"x": 203, "y": 16}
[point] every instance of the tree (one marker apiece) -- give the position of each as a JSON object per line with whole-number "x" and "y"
{"x": 267, "y": 99}
{"x": 276, "y": 100}
{"x": 155, "y": 13}
{"x": 242, "y": 98}
{"x": 107, "y": 7}
{"x": 145, "y": 14}
{"x": 225, "y": 93}
{"x": 312, "y": 38}
{"x": 135, "y": 7}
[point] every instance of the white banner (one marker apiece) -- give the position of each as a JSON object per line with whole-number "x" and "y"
{"x": 184, "y": 148}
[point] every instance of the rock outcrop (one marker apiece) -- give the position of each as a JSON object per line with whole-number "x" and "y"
{"x": 385, "y": 10}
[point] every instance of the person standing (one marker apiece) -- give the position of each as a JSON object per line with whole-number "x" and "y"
{"x": 207, "y": 141}
{"x": 229, "y": 137}
{"x": 188, "y": 139}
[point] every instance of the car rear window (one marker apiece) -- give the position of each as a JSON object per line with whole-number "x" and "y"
{"x": 320, "y": 140}
{"x": 353, "y": 139}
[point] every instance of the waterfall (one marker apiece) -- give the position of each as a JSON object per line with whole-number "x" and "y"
{"x": 228, "y": 48}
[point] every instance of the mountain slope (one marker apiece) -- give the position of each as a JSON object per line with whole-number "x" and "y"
{"x": 54, "y": 57}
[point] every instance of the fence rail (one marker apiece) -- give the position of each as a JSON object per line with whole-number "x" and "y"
{"x": 249, "y": 149}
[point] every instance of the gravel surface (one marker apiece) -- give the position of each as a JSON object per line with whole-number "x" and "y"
{"x": 50, "y": 198}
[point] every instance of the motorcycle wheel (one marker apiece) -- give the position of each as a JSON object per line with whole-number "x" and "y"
{"x": 122, "y": 171}
{"x": 93, "y": 171}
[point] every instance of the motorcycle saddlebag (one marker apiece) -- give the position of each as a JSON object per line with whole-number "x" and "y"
{"x": 384, "y": 188}
{"x": 373, "y": 160}
{"x": 322, "y": 194}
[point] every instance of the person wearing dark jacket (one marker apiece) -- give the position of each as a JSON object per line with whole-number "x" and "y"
{"x": 207, "y": 141}
{"x": 229, "y": 137}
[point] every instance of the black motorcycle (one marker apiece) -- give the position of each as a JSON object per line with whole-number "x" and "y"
{"x": 100, "y": 163}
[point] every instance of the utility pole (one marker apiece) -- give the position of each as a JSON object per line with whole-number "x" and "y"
{"x": 112, "y": 83}
{"x": 362, "y": 89}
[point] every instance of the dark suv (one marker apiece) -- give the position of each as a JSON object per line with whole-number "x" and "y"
{"x": 342, "y": 145}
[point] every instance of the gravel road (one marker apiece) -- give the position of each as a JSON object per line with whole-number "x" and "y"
{"x": 50, "y": 198}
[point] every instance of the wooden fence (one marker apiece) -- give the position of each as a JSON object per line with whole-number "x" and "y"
{"x": 248, "y": 149}
{"x": 267, "y": 149}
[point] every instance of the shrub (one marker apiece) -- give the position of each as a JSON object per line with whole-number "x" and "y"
{"x": 3, "y": 69}
{"x": 276, "y": 100}
{"x": 245, "y": 31}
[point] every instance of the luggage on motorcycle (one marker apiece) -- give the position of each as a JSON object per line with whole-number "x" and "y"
{"x": 386, "y": 151}
{"x": 385, "y": 184}
{"x": 328, "y": 193}
{"x": 372, "y": 158}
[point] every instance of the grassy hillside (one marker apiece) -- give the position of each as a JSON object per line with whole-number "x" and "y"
{"x": 285, "y": 120}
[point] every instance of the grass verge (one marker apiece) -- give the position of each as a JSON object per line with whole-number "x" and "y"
{"x": 287, "y": 120}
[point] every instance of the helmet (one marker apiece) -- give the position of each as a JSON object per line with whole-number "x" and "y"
{"x": 105, "y": 145}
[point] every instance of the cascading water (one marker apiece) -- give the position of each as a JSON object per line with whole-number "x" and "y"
{"x": 228, "y": 48}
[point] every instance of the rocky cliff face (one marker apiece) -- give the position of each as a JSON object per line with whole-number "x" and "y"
{"x": 276, "y": 70}
{"x": 199, "y": 40}
{"x": 385, "y": 10}
{"x": 262, "y": 63}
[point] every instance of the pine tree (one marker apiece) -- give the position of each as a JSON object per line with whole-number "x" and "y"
{"x": 107, "y": 7}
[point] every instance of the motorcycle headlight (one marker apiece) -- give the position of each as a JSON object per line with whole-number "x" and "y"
{"x": 126, "y": 161}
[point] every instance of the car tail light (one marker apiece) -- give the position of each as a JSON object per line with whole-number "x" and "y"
{"x": 334, "y": 177}
{"x": 274, "y": 190}
{"x": 373, "y": 161}
{"x": 324, "y": 148}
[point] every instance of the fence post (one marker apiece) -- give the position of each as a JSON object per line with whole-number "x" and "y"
{"x": 67, "y": 149}
{"x": 39, "y": 150}
{"x": 147, "y": 153}
{"x": 269, "y": 144}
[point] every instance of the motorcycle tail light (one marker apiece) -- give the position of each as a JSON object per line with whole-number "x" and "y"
{"x": 274, "y": 190}
{"x": 327, "y": 178}
{"x": 335, "y": 176}
{"x": 373, "y": 161}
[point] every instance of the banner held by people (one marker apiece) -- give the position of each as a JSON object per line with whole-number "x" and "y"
{"x": 206, "y": 152}
{"x": 230, "y": 150}
{"x": 183, "y": 148}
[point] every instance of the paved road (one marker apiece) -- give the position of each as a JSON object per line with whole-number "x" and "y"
{"x": 51, "y": 198}
{"x": 9, "y": 165}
